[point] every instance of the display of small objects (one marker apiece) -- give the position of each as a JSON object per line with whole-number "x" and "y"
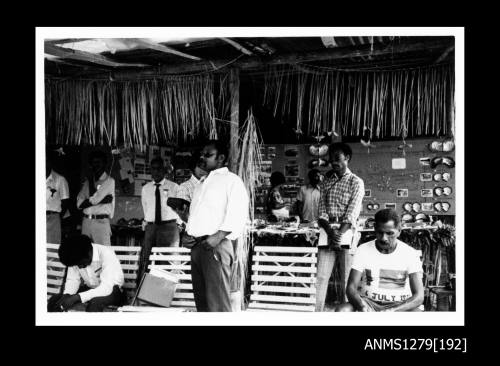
{"x": 445, "y": 146}
{"x": 407, "y": 218}
{"x": 442, "y": 160}
{"x": 416, "y": 207}
{"x": 373, "y": 206}
{"x": 408, "y": 206}
{"x": 442, "y": 206}
{"x": 442, "y": 191}
{"x": 421, "y": 217}
{"x": 438, "y": 177}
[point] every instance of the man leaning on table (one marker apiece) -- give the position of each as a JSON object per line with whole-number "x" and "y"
{"x": 217, "y": 218}
{"x": 97, "y": 200}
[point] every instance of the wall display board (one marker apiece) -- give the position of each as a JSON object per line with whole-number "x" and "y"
{"x": 294, "y": 161}
{"x": 414, "y": 180}
{"x": 131, "y": 170}
{"x": 419, "y": 181}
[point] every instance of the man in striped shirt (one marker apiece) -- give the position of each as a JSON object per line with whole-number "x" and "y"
{"x": 339, "y": 207}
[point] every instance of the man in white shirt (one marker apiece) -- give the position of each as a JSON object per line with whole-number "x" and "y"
{"x": 386, "y": 274}
{"x": 217, "y": 217}
{"x": 57, "y": 194}
{"x": 99, "y": 269}
{"x": 161, "y": 221}
{"x": 308, "y": 197}
{"x": 97, "y": 200}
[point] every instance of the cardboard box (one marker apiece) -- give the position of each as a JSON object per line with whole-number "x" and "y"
{"x": 158, "y": 287}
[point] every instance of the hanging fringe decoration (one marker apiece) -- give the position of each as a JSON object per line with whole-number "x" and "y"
{"x": 249, "y": 164}
{"x": 133, "y": 113}
{"x": 391, "y": 103}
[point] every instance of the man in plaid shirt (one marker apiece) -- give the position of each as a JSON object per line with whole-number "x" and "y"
{"x": 340, "y": 202}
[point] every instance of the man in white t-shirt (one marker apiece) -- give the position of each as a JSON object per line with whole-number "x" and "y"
{"x": 386, "y": 274}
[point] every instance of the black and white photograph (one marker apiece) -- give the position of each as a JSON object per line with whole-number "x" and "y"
{"x": 426, "y": 193}
{"x": 211, "y": 129}
{"x": 402, "y": 192}
{"x": 426, "y": 177}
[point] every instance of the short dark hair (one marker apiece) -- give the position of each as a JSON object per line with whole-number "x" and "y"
{"x": 311, "y": 173}
{"x": 74, "y": 248}
{"x": 277, "y": 178}
{"x": 341, "y": 146}
{"x": 157, "y": 160}
{"x": 98, "y": 154}
{"x": 386, "y": 215}
{"x": 220, "y": 146}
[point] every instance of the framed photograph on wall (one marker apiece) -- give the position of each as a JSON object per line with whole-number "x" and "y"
{"x": 426, "y": 177}
{"x": 390, "y": 205}
{"x": 402, "y": 192}
{"x": 427, "y": 206}
{"x": 368, "y": 193}
{"x": 426, "y": 193}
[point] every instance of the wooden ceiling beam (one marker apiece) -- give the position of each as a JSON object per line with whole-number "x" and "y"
{"x": 67, "y": 40}
{"x": 445, "y": 53}
{"x": 237, "y": 46}
{"x": 325, "y": 54}
{"x": 85, "y": 56}
{"x": 162, "y": 48}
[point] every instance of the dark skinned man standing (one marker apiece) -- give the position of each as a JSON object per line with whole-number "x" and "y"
{"x": 392, "y": 271}
{"x": 217, "y": 217}
{"x": 96, "y": 199}
{"x": 57, "y": 199}
{"x": 308, "y": 197}
{"x": 161, "y": 220}
{"x": 340, "y": 204}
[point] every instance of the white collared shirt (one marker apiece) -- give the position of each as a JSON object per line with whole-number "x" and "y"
{"x": 148, "y": 199}
{"x": 57, "y": 190}
{"x": 104, "y": 186}
{"x": 186, "y": 189}
{"x": 101, "y": 275}
{"x": 220, "y": 202}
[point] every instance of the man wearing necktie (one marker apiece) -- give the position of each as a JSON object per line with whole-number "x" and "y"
{"x": 161, "y": 221}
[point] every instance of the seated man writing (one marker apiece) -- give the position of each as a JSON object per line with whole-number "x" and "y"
{"x": 391, "y": 269}
{"x": 100, "y": 270}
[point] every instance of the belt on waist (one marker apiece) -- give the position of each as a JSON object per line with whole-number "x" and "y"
{"x": 199, "y": 239}
{"x": 52, "y": 212}
{"x": 96, "y": 217}
{"x": 161, "y": 222}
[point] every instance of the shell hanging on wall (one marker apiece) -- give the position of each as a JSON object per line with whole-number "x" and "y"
{"x": 318, "y": 150}
{"x": 442, "y": 146}
{"x": 314, "y": 163}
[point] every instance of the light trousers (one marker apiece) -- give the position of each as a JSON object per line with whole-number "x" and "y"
{"x": 99, "y": 230}
{"x": 326, "y": 265}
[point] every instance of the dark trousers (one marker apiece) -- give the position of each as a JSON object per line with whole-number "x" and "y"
{"x": 211, "y": 273}
{"x": 97, "y": 304}
{"x": 161, "y": 235}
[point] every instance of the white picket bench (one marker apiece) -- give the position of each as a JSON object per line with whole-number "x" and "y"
{"x": 283, "y": 279}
